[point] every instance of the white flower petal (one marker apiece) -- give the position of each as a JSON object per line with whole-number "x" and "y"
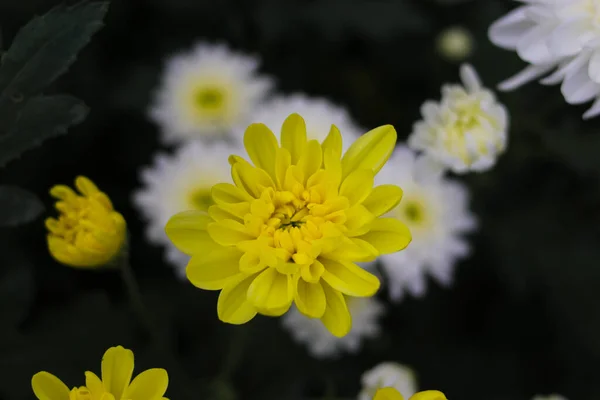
{"x": 365, "y": 312}
{"x": 508, "y": 30}
{"x": 528, "y": 74}
{"x": 168, "y": 184}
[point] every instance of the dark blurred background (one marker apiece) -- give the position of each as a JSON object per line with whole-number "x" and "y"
{"x": 523, "y": 315}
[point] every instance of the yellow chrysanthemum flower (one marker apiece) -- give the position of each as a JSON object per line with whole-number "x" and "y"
{"x": 293, "y": 225}
{"x": 89, "y": 232}
{"x": 116, "y": 383}
{"x": 389, "y": 393}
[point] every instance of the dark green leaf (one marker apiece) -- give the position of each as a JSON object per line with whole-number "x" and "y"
{"x": 16, "y": 288}
{"x": 18, "y": 206}
{"x": 42, "y": 51}
{"x": 41, "y": 118}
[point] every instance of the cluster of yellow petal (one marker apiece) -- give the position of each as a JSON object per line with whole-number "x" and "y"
{"x": 389, "y": 393}
{"x": 88, "y": 232}
{"x": 116, "y": 383}
{"x": 293, "y": 226}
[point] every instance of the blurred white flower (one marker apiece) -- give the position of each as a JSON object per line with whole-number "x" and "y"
{"x": 466, "y": 130}
{"x": 318, "y": 113}
{"x": 181, "y": 182}
{"x": 549, "y": 397}
{"x": 365, "y": 312}
{"x": 561, "y": 36}
{"x": 388, "y": 374}
{"x": 207, "y": 92}
{"x": 435, "y": 209}
{"x": 455, "y": 43}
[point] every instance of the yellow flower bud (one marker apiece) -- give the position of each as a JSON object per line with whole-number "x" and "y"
{"x": 88, "y": 233}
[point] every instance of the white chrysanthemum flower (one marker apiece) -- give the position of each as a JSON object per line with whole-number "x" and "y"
{"x": 466, "y": 130}
{"x": 181, "y": 182}
{"x": 435, "y": 209}
{"x": 559, "y": 35}
{"x": 318, "y": 113}
{"x": 388, "y": 374}
{"x": 207, "y": 92}
{"x": 365, "y": 312}
{"x": 455, "y": 43}
{"x": 549, "y": 397}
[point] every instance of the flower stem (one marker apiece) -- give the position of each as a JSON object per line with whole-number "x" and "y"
{"x": 135, "y": 298}
{"x": 159, "y": 342}
{"x": 234, "y": 354}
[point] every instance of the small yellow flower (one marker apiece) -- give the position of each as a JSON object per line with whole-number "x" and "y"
{"x": 293, "y": 225}
{"x": 389, "y": 393}
{"x": 116, "y": 383}
{"x": 89, "y": 232}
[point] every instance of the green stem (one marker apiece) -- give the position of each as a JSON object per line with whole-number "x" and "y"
{"x": 135, "y": 298}
{"x": 160, "y": 343}
{"x": 234, "y": 354}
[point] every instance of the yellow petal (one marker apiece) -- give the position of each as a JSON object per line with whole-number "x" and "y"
{"x": 283, "y": 160}
{"x": 428, "y": 395}
{"x": 351, "y": 250}
{"x": 228, "y": 193}
{"x": 357, "y": 185}
{"x": 271, "y": 290}
{"x": 387, "y": 235}
{"x": 293, "y": 136}
{"x": 233, "y": 306}
{"x": 358, "y": 220}
{"x": 387, "y": 393}
{"x": 382, "y": 199}
{"x": 94, "y": 384}
{"x": 311, "y": 159}
{"x": 250, "y": 179}
{"x": 117, "y": 368}
{"x": 261, "y": 145}
{"x": 275, "y": 312}
{"x": 149, "y": 385}
{"x": 228, "y": 232}
{"x": 48, "y": 387}
{"x": 212, "y": 271}
{"x": 85, "y": 186}
{"x": 62, "y": 192}
{"x": 336, "y": 318}
{"x": 187, "y": 231}
{"x": 235, "y": 211}
{"x": 333, "y": 143}
{"x": 310, "y": 299}
{"x": 370, "y": 151}
{"x": 349, "y": 278}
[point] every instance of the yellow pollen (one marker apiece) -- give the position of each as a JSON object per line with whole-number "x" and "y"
{"x": 210, "y": 98}
{"x": 413, "y": 212}
{"x": 200, "y": 199}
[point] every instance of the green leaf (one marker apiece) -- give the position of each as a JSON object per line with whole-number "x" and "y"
{"x": 16, "y": 287}
{"x": 41, "y": 118}
{"x": 44, "y": 49}
{"x": 18, "y": 206}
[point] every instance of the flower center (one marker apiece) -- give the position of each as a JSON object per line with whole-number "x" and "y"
{"x": 200, "y": 199}
{"x": 412, "y": 212}
{"x": 80, "y": 393}
{"x": 293, "y": 227}
{"x": 210, "y": 98}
